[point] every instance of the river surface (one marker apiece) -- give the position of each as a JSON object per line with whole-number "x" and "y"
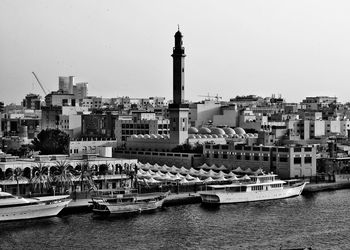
{"x": 320, "y": 221}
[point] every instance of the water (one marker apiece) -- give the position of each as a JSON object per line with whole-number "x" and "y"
{"x": 320, "y": 221}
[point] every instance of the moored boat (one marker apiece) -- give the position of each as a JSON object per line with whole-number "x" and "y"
{"x": 127, "y": 203}
{"x": 254, "y": 188}
{"x": 19, "y": 208}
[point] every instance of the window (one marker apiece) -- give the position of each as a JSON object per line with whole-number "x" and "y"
{"x": 283, "y": 159}
{"x": 308, "y": 160}
{"x": 247, "y": 157}
{"x": 238, "y": 157}
{"x": 297, "y": 160}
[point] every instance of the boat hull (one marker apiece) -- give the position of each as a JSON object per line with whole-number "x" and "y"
{"x": 44, "y": 208}
{"x": 239, "y": 197}
{"x": 120, "y": 209}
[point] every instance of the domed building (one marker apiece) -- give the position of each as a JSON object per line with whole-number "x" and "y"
{"x": 229, "y": 131}
{"x": 217, "y": 131}
{"x": 192, "y": 130}
{"x": 239, "y": 131}
{"x": 204, "y": 130}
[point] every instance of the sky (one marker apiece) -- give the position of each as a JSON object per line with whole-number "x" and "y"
{"x": 293, "y": 48}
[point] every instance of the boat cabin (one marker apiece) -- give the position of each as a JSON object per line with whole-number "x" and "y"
{"x": 114, "y": 193}
{"x": 254, "y": 184}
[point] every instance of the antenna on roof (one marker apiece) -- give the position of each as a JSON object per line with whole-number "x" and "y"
{"x": 178, "y": 27}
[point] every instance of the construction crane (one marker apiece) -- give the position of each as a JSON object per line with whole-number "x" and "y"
{"x": 208, "y": 97}
{"x": 39, "y": 83}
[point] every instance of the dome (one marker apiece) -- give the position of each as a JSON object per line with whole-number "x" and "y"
{"x": 160, "y": 137}
{"x": 191, "y": 136}
{"x": 134, "y": 136}
{"x": 153, "y": 136}
{"x": 220, "y": 136}
{"x": 229, "y": 131}
{"x": 147, "y": 136}
{"x": 192, "y": 130}
{"x": 239, "y": 131}
{"x": 204, "y": 130}
{"x": 250, "y": 135}
{"x": 198, "y": 136}
{"x": 210, "y": 136}
{"x": 217, "y": 131}
{"x": 235, "y": 136}
{"x": 225, "y": 136}
{"x": 166, "y": 136}
{"x": 140, "y": 136}
{"x": 204, "y": 136}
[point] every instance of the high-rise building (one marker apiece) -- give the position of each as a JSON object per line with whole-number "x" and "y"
{"x": 65, "y": 84}
{"x": 80, "y": 90}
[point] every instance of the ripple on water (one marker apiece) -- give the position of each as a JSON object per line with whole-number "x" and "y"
{"x": 320, "y": 220}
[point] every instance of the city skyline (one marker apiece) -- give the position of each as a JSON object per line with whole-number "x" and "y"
{"x": 120, "y": 48}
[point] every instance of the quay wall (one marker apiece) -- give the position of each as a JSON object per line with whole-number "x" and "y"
{"x": 312, "y": 188}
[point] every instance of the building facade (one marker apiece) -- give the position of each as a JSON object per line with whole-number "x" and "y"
{"x": 287, "y": 162}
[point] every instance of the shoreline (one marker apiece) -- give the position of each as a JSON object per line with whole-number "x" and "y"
{"x": 83, "y": 205}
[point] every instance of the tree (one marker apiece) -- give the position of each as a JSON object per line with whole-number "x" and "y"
{"x": 52, "y": 141}
{"x": 86, "y": 174}
{"x": 17, "y": 176}
{"x": 41, "y": 178}
{"x": 63, "y": 176}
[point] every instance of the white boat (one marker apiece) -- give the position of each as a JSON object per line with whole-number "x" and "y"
{"x": 19, "y": 208}
{"x": 127, "y": 202}
{"x": 252, "y": 188}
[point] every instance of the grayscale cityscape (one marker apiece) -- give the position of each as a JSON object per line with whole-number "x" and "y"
{"x": 109, "y": 140}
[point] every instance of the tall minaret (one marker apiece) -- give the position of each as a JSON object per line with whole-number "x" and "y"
{"x": 178, "y": 70}
{"x": 178, "y": 110}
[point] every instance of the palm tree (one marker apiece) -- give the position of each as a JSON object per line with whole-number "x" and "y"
{"x": 17, "y": 176}
{"x": 63, "y": 176}
{"x": 87, "y": 173}
{"x": 41, "y": 178}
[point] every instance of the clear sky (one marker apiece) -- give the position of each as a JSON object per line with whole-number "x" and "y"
{"x": 122, "y": 48}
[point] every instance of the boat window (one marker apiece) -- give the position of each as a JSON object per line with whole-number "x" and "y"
{"x": 233, "y": 189}
{"x": 6, "y": 197}
{"x": 254, "y": 188}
